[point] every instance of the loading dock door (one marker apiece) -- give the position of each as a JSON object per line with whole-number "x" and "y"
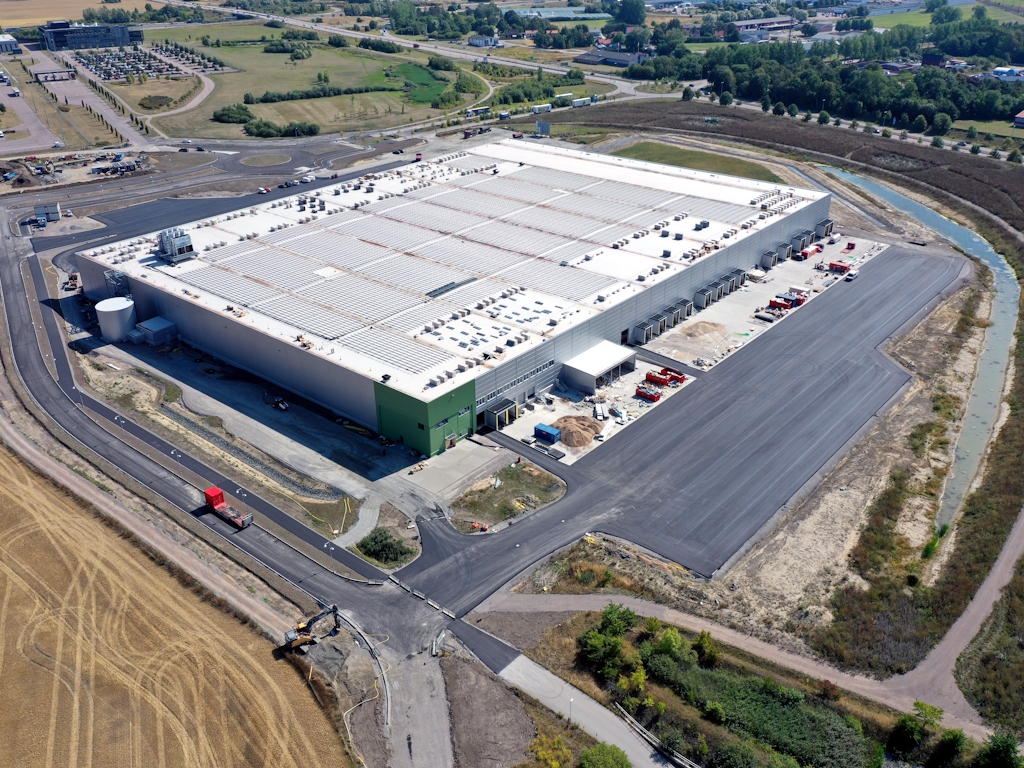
{"x": 501, "y": 414}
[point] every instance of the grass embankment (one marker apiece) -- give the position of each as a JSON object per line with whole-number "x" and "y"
{"x": 332, "y": 518}
{"x": 265, "y": 161}
{"x": 713, "y": 704}
{"x": 521, "y": 487}
{"x": 656, "y": 152}
{"x": 556, "y": 739}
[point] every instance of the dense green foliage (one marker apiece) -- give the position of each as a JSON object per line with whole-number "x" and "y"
{"x": 762, "y": 709}
{"x": 570, "y": 37}
{"x": 287, "y": 46}
{"x": 265, "y": 129}
{"x": 281, "y": 7}
{"x": 167, "y": 13}
{"x": 383, "y": 46}
{"x": 1000, "y": 751}
{"x": 383, "y": 547}
{"x": 234, "y": 113}
{"x": 421, "y": 84}
{"x": 604, "y": 755}
{"x": 337, "y": 41}
{"x": 316, "y": 92}
{"x": 299, "y": 34}
{"x": 536, "y": 89}
{"x": 441, "y": 63}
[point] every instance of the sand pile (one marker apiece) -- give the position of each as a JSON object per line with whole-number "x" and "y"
{"x": 578, "y": 431}
{"x": 711, "y": 332}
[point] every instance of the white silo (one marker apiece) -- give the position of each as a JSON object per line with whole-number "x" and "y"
{"x": 117, "y": 317}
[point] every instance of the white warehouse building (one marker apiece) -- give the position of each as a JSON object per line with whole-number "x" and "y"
{"x": 419, "y": 300}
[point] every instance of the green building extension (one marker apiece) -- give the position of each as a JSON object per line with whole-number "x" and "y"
{"x": 429, "y": 427}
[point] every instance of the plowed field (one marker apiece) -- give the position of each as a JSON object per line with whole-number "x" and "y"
{"x": 106, "y": 660}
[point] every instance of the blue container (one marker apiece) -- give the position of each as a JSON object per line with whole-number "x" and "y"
{"x": 547, "y": 433}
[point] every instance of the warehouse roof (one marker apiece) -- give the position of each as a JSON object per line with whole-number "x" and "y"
{"x": 601, "y": 358}
{"x": 434, "y": 271}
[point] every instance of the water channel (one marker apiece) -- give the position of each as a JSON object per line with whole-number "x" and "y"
{"x": 983, "y": 405}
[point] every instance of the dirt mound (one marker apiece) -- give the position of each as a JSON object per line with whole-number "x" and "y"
{"x": 702, "y": 329}
{"x": 578, "y": 431}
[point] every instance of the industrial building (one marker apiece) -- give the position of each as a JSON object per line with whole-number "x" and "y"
{"x": 64, "y": 36}
{"x": 9, "y": 45}
{"x": 427, "y": 300}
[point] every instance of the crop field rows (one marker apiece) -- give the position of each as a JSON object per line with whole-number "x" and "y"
{"x": 113, "y": 662}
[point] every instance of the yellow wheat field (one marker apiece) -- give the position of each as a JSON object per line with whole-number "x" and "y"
{"x": 106, "y": 660}
{"x": 22, "y": 13}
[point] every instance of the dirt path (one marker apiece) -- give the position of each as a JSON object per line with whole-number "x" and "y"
{"x": 112, "y": 662}
{"x": 931, "y": 681}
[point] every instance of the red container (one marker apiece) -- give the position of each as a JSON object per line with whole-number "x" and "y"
{"x": 656, "y": 378}
{"x": 779, "y": 304}
{"x": 214, "y": 496}
{"x": 648, "y": 394}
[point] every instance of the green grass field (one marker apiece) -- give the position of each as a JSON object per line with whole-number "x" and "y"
{"x": 995, "y": 127}
{"x": 259, "y": 72}
{"x": 427, "y": 87}
{"x": 655, "y": 152}
{"x": 923, "y": 19}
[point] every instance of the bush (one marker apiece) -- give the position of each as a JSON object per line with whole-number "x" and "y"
{"x": 708, "y": 653}
{"x": 1014, "y": 156}
{"x": 938, "y": 143}
{"x": 446, "y": 100}
{"x": 779, "y": 109}
{"x": 154, "y": 102}
{"x": 920, "y": 124}
{"x": 714, "y": 713}
{"x": 616, "y": 620}
{"x": 383, "y": 46}
{"x": 442, "y": 63}
{"x": 736, "y": 756}
{"x": 726, "y": 99}
{"x": 976, "y": 149}
{"x": 234, "y": 113}
{"x": 1000, "y": 751}
{"x": 948, "y": 749}
{"x": 687, "y": 93}
{"x": 299, "y": 34}
{"x": 824, "y": 117}
{"x": 383, "y": 547}
{"x": 337, "y": 41}
{"x": 941, "y": 124}
{"x": 906, "y": 736}
{"x": 604, "y": 755}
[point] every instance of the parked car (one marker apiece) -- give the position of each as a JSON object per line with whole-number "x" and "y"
{"x": 851, "y": 275}
{"x": 183, "y": 149}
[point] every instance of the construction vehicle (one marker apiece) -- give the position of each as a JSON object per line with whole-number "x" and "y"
{"x": 72, "y": 282}
{"x": 215, "y": 501}
{"x": 302, "y": 634}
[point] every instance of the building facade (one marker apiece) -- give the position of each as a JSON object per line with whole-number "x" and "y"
{"x": 64, "y": 36}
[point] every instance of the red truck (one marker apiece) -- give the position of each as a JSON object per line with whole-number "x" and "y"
{"x": 215, "y": 501}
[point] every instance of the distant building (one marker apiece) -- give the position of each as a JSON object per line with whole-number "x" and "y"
{"x": 560, "y": 14}
{"x": 609, "y": 58}
{"x": 1018, "y": 120}
{"x": 9, "y": 45}
{"x": 932, "y": 59}
{"x": 64, "y": 36}
{"x": 1008, "y": 74}
{"x": 483, "y": 41}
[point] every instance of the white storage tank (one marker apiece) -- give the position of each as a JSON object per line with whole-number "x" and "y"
{"x": 116, "y": 317}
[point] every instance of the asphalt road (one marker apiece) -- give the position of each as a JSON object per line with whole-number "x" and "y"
{"x": 698, "y": 477}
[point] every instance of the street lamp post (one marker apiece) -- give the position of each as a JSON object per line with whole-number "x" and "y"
{"x": 241, "y": 494}
{"x": 120, "y": 420}
{"x": 326, "y": 545}
{"x": 570, "y": 711}
{"x": 176, "y": 454}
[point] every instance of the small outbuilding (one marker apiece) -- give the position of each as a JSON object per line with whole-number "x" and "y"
{"x": 598, "y": 366}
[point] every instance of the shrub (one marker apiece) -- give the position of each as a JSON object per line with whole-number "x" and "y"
{"x": 604, "y": 755}
{"x": 1000, "y": 751}
{"x": 708, "y": 653}
{"x": 445, "y": 100}
{"x": 234, "y": 113}
{"x": 906, "y": 736}
{"x": 652, "y": 625}
{"x": 687, "y": 93}
{"x": 726, "y": 99}
{"x": 938, "y": 143}
{"x": 441, "y": 63}
{"x": 1014, "y": 156}
{"x": 824, "y": 117}
{"x": 886, "y": 133}
{"x": 337, "y": 41}
{"x": 941, "y": 124}
{"x": 792, "y": 110}
{"x": 383, "y": 46}
{"x": 920, "y": 124}
{"x": 155, "y": 102}
{"x": 736, "y": 756}
{"x": 948, "y": 749}
{"x": 616, "y": 620}
{"x": 383, "y": 547}
{"x": 779, "y": 109}
{"x": 714, "y": 713}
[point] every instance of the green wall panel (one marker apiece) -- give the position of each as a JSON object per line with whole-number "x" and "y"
{"x": 425, "y": 426}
